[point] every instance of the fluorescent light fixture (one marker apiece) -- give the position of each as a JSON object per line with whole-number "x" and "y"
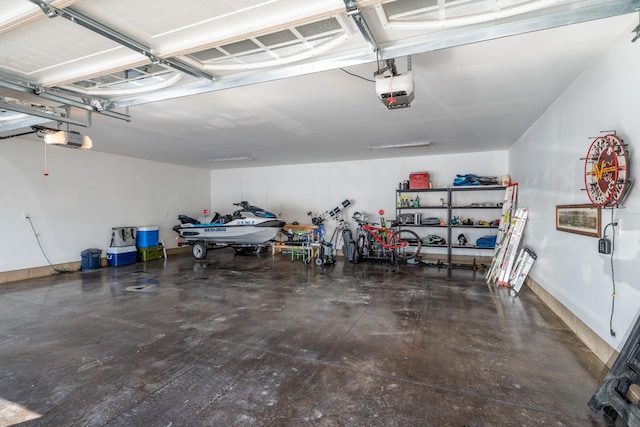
{"x": 230, "y": 159}
{"x": 70, "y": 139}
{"x": 403, "y": 145}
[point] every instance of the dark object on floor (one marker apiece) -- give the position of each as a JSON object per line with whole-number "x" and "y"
{"x": 616, "y": 396}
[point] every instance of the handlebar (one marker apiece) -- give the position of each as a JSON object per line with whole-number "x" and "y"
{"x": 362, "y": 222}
{"x": 244, "y": 204}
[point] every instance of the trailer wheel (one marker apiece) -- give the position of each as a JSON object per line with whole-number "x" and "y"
{"x": 199, "y": 250}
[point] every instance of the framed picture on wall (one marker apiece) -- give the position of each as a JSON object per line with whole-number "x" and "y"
{"x": 579, "y": 219}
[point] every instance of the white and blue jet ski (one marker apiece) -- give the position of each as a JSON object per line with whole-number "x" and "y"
{"x": 246, "y": 230}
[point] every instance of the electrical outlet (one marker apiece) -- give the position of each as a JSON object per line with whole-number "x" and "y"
{"x": 26, "y": 215}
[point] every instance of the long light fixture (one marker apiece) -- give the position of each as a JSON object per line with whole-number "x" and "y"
{"x": 402, "y": 145}
{"x": 230, "y": 159}
{"x": 69, "y": 139}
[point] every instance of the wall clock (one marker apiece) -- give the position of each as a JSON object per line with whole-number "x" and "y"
{"x": 606, "y": 171}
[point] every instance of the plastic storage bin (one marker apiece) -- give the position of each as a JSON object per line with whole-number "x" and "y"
{"x": 121, "y": 255}
{"x": 90, "y": 259}
{"x": 147, "y": 237}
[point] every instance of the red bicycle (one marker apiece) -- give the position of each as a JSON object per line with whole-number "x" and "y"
{"x": 375, "y": 242}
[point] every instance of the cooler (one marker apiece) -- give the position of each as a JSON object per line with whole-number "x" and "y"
{"x": 123, "y": 236}
{"x": 147, "y": 237}
{"x": 150, "y": 253}
{"x": 121, "y": 255}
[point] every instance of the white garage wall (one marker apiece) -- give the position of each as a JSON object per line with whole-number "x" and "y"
{"x": 85, "y": 195}
{"x": 292, "y": 191}
{"x": 546, "y": 162}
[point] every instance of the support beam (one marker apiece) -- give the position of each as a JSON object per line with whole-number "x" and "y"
{"x": 54, "y": 117}
{"x": 12, "y": 84}
{"x": 354, "y": 12}
{"x": 84, "y": 106}
{"x": 18, "y": 134}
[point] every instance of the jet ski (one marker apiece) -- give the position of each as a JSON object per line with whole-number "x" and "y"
{"x": 246, "y": 230}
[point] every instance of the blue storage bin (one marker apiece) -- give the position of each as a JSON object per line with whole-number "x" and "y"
{"x": 486, "y": 242}
{"x": 90, "y": 259}
{"x": 147, "y": 237}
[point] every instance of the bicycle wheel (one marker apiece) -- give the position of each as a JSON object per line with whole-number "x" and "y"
{"x": 359, "y": 252}
{"x": 412, "y": 249}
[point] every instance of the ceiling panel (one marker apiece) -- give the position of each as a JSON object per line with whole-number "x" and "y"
{"x": 52, "y": 47}
{"x": 172, "y": 27}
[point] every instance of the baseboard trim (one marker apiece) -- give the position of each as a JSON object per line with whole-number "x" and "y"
{"x": 46, "y": 270}
{"x": 597, "y": 345}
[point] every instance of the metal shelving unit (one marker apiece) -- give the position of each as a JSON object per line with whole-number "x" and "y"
{"x": 449, "y": 205}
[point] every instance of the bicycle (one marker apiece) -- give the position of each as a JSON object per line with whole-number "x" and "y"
{"x": 375, "y": 242}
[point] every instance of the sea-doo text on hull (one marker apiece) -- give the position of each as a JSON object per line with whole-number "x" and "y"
{"x": 245, "y": 230}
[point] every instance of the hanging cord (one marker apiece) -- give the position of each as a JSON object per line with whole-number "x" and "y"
{"x": 355, "y": 75}
{"x": 613, "y": 280}
{"x": 391, "y": 99}
{"x": 46, "y": 171}
{"x": 35, "y": 233}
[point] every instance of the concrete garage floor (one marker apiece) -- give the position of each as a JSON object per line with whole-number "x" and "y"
{"x": 259, "y": 340}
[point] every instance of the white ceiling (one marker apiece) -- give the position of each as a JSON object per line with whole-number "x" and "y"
{"x": 470, "y": 95}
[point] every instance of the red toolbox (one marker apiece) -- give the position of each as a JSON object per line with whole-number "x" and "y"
{"x": 419, "y": 180}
